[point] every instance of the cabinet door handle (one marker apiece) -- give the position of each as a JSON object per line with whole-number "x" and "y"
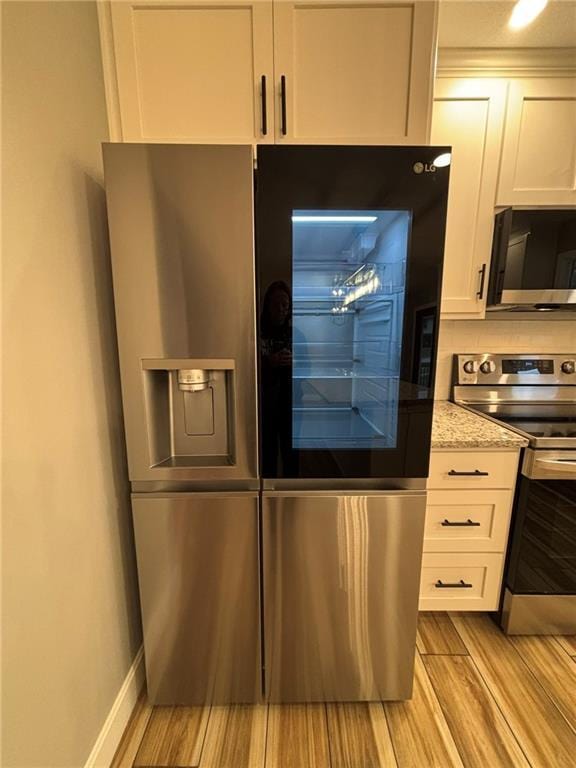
{"x": 466, "y": 523}
{"x": 283, "y": 103}
{"x": 459, "y": 585}
{"x": 482, "y": 273}
{"x": 476, "y": 473}
{"x": 263, "y": 98}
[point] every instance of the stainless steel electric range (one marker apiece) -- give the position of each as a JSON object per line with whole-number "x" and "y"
{"x": 534, "y": 395}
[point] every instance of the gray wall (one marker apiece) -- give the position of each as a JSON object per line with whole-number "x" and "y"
{"x": 70, "y": 615}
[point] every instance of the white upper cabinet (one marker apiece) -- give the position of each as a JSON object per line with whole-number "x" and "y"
{"x": 233, "y": 71}
{"x": 354, "y": 71}
{"x": 193, "y": 71}
{"x": 468, "y": 114}
{"x": 539, "y": 151}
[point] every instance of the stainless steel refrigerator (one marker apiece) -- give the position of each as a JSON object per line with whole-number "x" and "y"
{"x": 278, "y": 436}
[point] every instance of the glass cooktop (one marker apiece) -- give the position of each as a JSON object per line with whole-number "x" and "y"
{"x": 544, "y": 423}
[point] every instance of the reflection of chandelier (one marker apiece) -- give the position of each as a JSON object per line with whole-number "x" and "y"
{"x": 362, "y": 283}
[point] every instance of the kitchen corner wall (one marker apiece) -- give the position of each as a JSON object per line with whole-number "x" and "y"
{"x": 70, "y": 614}
{"x": 459, "y": 336}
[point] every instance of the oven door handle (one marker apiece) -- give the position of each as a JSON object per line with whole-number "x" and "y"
{"x": 557, "y": 465}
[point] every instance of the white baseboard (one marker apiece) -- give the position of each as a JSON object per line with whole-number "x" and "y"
{"x": 109, "y": 737}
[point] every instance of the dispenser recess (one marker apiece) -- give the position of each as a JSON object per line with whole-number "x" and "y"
{"x": 189, "y": 412}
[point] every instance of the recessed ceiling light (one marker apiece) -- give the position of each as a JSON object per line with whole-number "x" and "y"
{"x": 526, "y": 11}
{"x": 334, "y": 219}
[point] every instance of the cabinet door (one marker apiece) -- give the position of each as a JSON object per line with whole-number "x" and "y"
{"x": 468, "y": 114}
{"x": 192, "y": 71}
{"x": 354, "y": 72}
{"x": 539, "y": 152}
{"x": 198, "y": 574}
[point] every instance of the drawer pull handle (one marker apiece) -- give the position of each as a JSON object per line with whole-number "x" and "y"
{"x": 459, "y": 585}
{"x": 465, "y": 523}
{"x": 476, "y": 473}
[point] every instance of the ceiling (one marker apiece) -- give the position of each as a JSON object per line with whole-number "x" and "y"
{"x": 484, "y": 24}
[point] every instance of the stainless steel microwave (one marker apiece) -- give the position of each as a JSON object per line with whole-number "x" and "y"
{"x": 533, "y": 259}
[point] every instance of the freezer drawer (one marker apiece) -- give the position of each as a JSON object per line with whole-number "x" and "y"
{"x": 198, "y": 573}
{"x": 341, "y": 578}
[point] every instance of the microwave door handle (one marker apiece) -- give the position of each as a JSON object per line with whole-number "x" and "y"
{"x": 557, "y": 465}
{"x": 501, "y": 237}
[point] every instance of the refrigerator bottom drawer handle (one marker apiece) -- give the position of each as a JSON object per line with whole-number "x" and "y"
{"x": 458, "y": 585}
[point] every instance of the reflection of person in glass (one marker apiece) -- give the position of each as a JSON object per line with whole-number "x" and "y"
{"x": 276, "y": 357}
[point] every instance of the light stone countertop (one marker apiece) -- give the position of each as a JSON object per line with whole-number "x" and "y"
{"x": 456, "y": 427}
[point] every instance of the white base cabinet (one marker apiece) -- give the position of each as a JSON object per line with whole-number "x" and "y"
{"x": 470, "y": 495}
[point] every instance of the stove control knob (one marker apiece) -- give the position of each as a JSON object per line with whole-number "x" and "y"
{"x": 488, "y": 366}
{"x": 470, "y": 366}
{"x": 568, "y": 366}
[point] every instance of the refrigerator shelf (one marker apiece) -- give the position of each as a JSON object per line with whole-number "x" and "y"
{"x": 313, "y": 426}
{"x": 344, "y": 373}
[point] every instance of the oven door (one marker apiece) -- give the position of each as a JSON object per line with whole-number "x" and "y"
{"x": 543, "y": 551}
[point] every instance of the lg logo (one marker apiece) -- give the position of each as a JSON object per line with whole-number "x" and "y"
{"x": 424, "y": 168}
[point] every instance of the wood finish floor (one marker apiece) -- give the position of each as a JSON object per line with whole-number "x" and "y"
{"x": 481, "y": 700}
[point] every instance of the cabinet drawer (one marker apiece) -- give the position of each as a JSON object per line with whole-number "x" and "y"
{"x": 467, "y": 521}
{"x": 482, "y": 572}
{"x": 472, "y": 469}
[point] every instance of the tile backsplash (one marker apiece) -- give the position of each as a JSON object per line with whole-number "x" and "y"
{"x": 458, "y": 336}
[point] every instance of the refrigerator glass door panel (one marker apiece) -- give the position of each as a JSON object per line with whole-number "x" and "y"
{"x": 348, "y": 286}
{"x": 182, "y": 238}
{"x": 341, "y": 581}
{"x": 349, "y": 244}
{"x": 198, "y": 572}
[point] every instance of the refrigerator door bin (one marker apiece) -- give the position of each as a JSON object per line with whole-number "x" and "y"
{"x": 198, "y": 571}
{"x": 341, "y": 575}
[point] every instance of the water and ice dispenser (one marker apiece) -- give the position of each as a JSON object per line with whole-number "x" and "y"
{"x": 190, "y": 412}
